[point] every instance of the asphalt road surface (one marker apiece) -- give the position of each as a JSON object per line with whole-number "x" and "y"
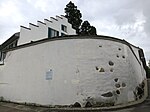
{"x": 10, "y": 107}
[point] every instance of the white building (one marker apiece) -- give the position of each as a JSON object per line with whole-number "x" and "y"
{"x": 69, "y": 70}
{"x": 55, "y": 27}
{"x": 58, "y": 26}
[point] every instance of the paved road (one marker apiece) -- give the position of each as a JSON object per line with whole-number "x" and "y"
{"x": 20, "y": 108}
{"x": 10, "y": 107}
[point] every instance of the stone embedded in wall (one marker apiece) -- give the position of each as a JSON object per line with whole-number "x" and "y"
{"x": 119, "y": 49}
{"x": 123, "y": 84}
{"x": 76, "y": 104}
{"x": 117, "y": 91}
{"x": 139, "y": 91}
{"x": 111, "y": 70}
{"x": 88, "y": 104}
{"x": 111, "y": 63}
{"x": 116, "y": 79}
{"x": 102, "y": 70}
{"x": 123, "y": 56}
{"x": 142, "y": 85}
{"x": 117, "y": 85}
{"x": 99, "y": 101}
{"x": 108, "y": 94}
{"x": 117, "y": 56}
{"x": 96, "y": 68}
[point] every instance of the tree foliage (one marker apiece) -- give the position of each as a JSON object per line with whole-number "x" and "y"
{"x": 87, "y": 29}
{"x": 74, "y": 17}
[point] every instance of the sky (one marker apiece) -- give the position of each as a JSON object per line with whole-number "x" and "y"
{"x": 124, "y": 19}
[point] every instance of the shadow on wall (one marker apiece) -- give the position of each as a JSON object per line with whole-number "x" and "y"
{"x": 147, "y": 72}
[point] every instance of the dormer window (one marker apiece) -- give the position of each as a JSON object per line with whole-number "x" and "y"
{"x": 64, "y": 28}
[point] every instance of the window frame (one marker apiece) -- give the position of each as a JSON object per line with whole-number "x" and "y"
{"x": 52, "y": 33}
{"x": 64, "y": 28}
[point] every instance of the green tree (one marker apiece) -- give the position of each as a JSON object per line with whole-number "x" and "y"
{"x": 87, "y": 29}
{"x": 73, "y": 15}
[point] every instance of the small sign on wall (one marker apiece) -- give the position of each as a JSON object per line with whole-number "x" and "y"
{"x": 49, "y": 75}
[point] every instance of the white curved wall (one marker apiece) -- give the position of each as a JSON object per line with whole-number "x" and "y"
{"x": 73, "y": 76}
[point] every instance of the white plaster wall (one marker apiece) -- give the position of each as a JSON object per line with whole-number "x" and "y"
{"x": 75, "y": 78}
{"x": 41, "y": 32}
{"x": 24, "y": 39}
{"x": 136, "y": 52}
{"x": 64, "y": 21}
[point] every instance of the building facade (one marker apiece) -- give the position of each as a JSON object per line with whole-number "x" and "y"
{"x": 47, "y": 69}
{"x": 50, "y": 28}
{"x": 54, "y": 27}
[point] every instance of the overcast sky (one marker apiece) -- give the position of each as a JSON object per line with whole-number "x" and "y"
{"x": 124, "y": 19}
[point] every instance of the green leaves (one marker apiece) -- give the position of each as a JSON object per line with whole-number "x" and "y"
{"x": 87, "y": 29}
{"x": 74, "y": 17}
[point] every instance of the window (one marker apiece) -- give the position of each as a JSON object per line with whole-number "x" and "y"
{"x": 64, "y": 28}
{"x": 62, "y": 34}
{"x": 52, "y": 33}
{"x": 2, "y": 56}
